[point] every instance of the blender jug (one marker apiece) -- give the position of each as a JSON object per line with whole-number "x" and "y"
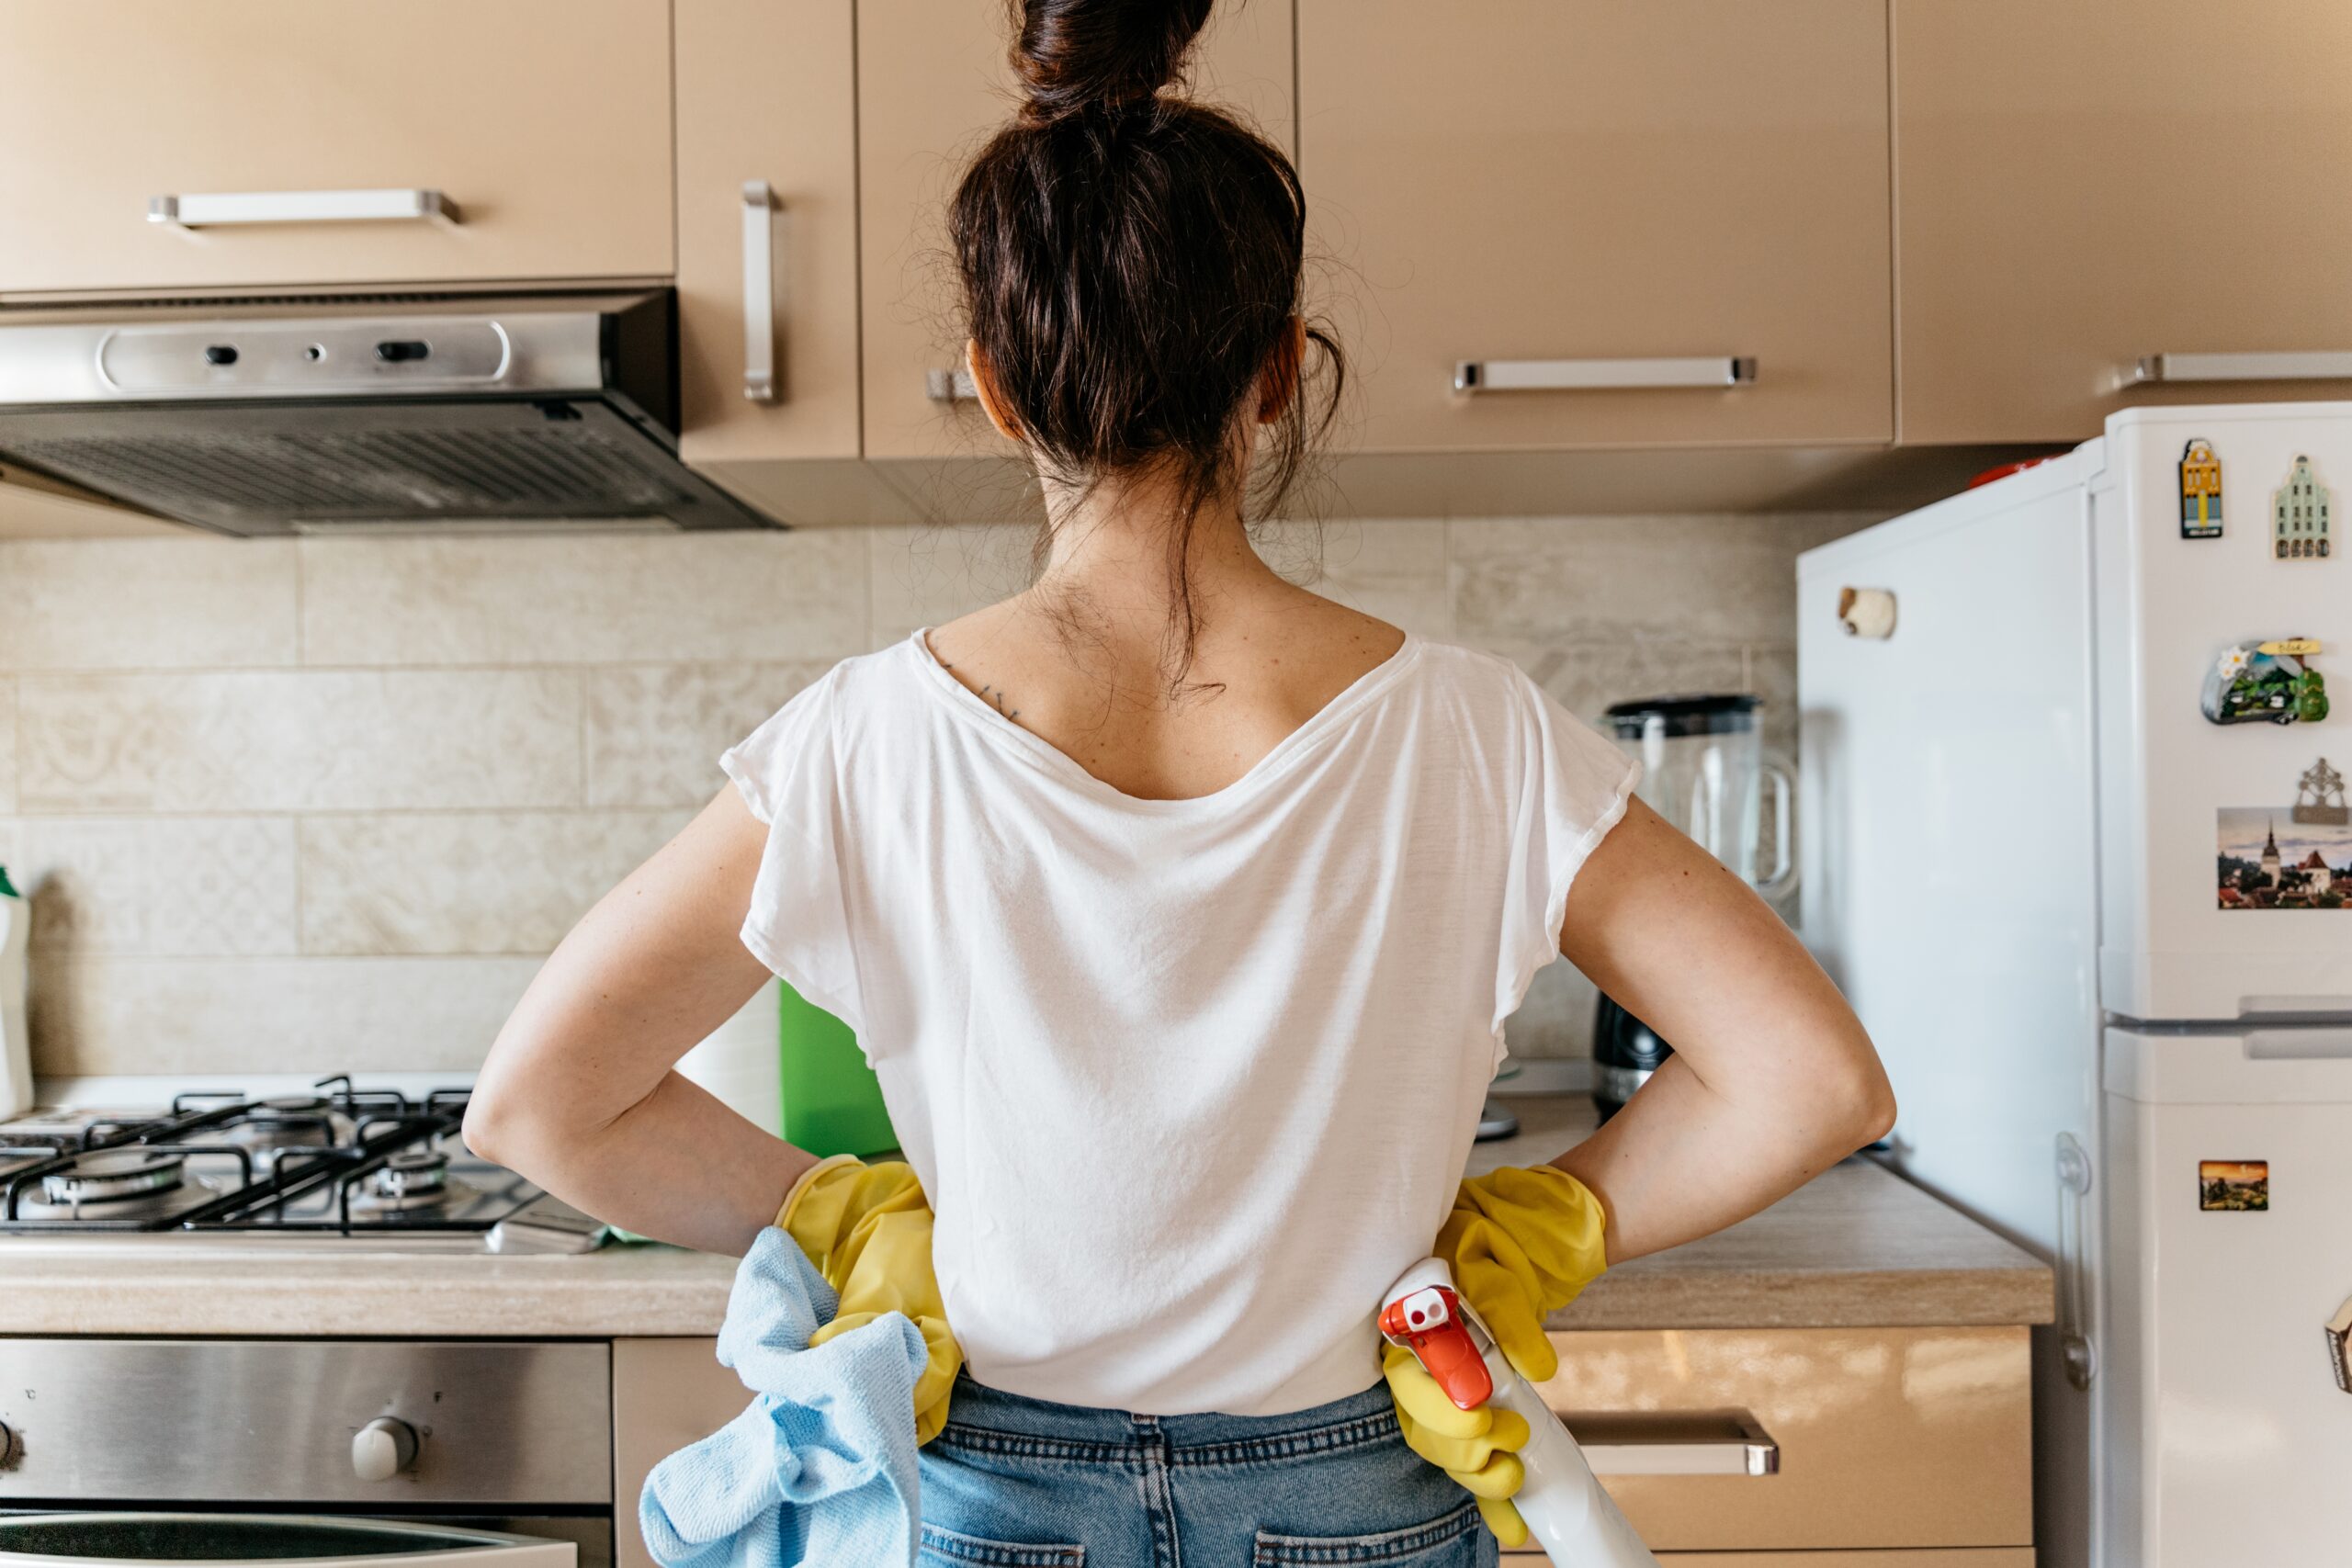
{"x": 1704, "y": 770}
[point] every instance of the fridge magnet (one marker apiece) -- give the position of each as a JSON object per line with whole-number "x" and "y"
{"x": 2269, "y": 680}
{"x": 2319, "y": 798}
{"x": 2238, "y": 1186}
{"x": 2255, "y": 868}
{"x": 2200, "y": 491}
{"x": 2300, "y": 514}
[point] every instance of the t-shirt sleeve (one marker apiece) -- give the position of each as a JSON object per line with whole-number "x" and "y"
{"x": 787, "y": 771}
{"x": 1570, "y": 786}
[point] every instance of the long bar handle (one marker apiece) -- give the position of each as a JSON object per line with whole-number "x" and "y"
{"x": 1602, "y": 375}
{"x": 759, "y": 292}
{"x": 2075, "y": 1346}
{"x": 955, "y": 385}
{"x": 2302, "y": 364}
{"x": 1747, "y": 1449}
{"x": 221, "y": 210}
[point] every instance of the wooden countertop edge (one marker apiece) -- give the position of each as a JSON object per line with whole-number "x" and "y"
{"x": 1902, "y": 1298}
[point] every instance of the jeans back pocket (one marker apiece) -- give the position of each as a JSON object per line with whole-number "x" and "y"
{"x": 941, "y": 1545}
{"x": 1452, "y": 1540}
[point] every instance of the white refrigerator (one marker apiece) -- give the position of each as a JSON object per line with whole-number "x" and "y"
{"x": 2075, "y": 845}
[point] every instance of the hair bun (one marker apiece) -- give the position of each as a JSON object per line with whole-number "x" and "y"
{"x": 1075, "y": 54}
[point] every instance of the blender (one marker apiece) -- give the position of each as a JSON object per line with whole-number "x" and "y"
{"x": 1704, "y": 769}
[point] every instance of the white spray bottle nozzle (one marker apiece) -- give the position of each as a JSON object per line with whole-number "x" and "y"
{"x": 1567, "y": 1513}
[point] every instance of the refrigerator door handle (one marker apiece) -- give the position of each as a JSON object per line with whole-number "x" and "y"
{"x": 2073, "y": 1334}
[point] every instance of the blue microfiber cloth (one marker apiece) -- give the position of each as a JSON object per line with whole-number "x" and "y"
{"x": 821, "y": 1468}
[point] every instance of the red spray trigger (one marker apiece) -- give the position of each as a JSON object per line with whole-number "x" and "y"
{"x": 1428, "y": 1322}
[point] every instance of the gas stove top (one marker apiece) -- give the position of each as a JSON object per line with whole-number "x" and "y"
{"x": 339, "y": 1167}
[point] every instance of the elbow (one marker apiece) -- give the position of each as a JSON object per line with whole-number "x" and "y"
{"x": 484, "y": 1130}
{"x": 495, "y": 1128}
{"x": 1870, "y": 1108}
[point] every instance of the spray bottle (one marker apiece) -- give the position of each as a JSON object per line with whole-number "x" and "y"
{"x": 1567, "y": 1513}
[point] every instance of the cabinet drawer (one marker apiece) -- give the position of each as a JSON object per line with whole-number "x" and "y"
{"x": 1917, "y": 1557}
{"x": 545, "y": 122}
{"x": 1886, "y": 1436}
{"x": 1590, "y": 182}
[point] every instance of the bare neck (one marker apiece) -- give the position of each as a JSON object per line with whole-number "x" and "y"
{"x": 1114, "y": 572}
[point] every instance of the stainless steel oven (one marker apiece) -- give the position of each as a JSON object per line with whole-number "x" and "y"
{"x": 495, "y": 1453}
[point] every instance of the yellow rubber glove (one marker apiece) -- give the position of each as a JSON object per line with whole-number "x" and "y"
{"x": 1522, "y": 1244}
{"x": 867, "y": 1229}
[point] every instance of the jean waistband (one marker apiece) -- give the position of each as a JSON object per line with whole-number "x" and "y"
{"x": 990, "y": 1420}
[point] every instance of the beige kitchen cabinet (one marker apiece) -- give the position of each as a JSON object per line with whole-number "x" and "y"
{"x": 768, "y": 280}
{"x": 2079, "y": 186}
{"x": 1929, "y": 1557}
{"x": 1883, "y": 1438}
{"x": 544, "y": 124}
{"x": 1542, "y": 185}
{"x": 667, "y": 1393}
{"x": 933, "y": 83}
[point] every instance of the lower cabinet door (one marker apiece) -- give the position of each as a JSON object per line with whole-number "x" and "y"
{"x": 666, "y": 1395}
{"x": 1807, "y": 1440}
{"x": 1912, "y": 1557}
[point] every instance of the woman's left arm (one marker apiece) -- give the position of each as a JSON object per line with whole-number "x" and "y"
{"x": 1772, "y": 1079}
{"x": 578, "y": 1094}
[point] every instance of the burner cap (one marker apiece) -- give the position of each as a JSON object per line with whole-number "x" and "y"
{"x": 286, "y": 1105}
{"x": 112, "y": 1176}
{"x": 410, "y": 1176}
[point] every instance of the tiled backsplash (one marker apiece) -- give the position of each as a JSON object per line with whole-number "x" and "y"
{"x": 285, "y": 807}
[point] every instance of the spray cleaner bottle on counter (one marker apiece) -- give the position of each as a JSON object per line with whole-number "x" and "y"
{"x": 15, "y": 1050}
{"x": 1567, "y": 1513}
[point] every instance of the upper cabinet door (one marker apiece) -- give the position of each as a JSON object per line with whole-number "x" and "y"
{"x": 934, "y": 83}
{"x": 1584, "y": 196}
{"x": 2074, "y": 194}
{"x": 544, "y": 123}
{"x": 767, "y": 277}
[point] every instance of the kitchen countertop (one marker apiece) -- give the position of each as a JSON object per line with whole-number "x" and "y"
{"x": 1856, "y": 1246}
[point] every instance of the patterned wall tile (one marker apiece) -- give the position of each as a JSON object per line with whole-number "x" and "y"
{"x": 173, "y": 886}
{"x": 464, "y": 881}
{"x": 1395, "y": 571}
{"x": 583, "y": 598}
{"x": 1556, "y": 1018}
{"x": 195, "y": 1016}
{"x": 1728, "y": 578}
{"x": 300, "y": 741}
{"x": 927, "y": 576}
{"x": 7, "y": 745}
{"x": 147, "y": 604}
{"x": 1587, "y": 677}
{"x": 655, "y": 730}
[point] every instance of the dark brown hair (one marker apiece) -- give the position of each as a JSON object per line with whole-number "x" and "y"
{"x": 1132, "y": 262}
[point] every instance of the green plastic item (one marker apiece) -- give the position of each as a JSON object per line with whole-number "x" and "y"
{"x": 833, "y": 1102}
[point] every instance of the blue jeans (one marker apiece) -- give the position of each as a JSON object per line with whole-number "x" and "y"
{"x": 1017, "y": 1483}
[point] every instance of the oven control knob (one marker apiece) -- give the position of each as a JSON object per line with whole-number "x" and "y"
{"x": 383, "y": 1448}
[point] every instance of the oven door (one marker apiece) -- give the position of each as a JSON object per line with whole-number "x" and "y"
{"x": 226, "y": 1540}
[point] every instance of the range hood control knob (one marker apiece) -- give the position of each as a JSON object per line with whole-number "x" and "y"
{"x": 383, "y": 1448}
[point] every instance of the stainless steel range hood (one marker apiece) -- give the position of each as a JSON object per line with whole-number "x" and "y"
{"x": 383, "y": 413}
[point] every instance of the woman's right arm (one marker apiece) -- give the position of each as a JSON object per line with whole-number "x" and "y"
{"x": 1772, "y": 1079}
{"x": 578, "y": 1094}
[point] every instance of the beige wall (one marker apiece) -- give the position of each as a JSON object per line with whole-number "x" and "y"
{"x": 305, "y": 807}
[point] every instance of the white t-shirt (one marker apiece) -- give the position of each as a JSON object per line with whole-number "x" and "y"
{"x": 1188, "y": 1082}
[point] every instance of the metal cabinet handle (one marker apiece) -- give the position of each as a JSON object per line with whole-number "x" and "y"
{"x": 1600, "y": 375}
{"x": 216, "y": 209}
{"x": 759, "y": 292}
{"x": 955, "y": 385}
{"x": 2299, "y": 365}
{"x": 2339, "y": 1330}
{"x": 2075, "y": 1345}
{"x": 1705, "y": 1442}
